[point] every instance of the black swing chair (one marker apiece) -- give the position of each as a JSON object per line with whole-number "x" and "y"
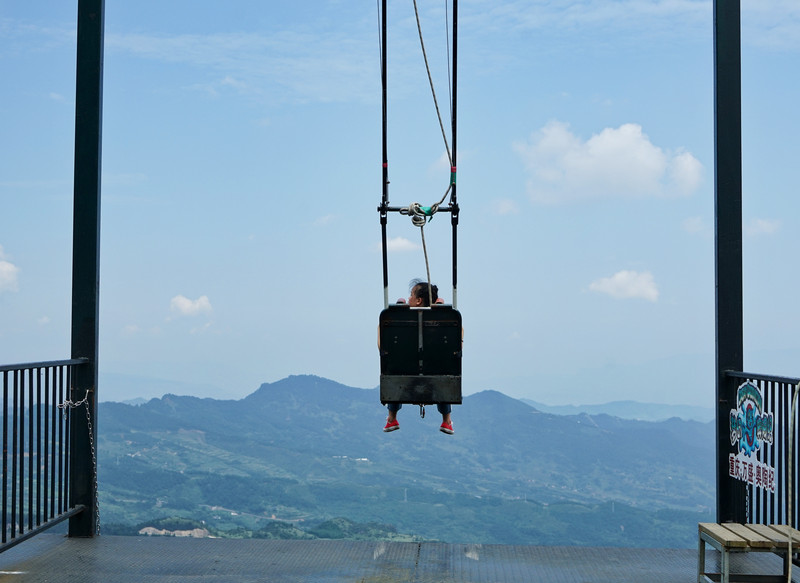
{"x": 420, "y": 355}
{"x": 420, "y": 348}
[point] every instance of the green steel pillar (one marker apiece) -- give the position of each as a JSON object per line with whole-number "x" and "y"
{"x": 731, "y": 494}
{"x": 86, "y": 263}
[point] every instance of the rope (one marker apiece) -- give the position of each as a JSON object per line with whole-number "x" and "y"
{"x": 420, "y": 215}
{"x": 380, "y": 38}
{"x": 449, "y": 78}
{"x": 427, "y": 266}
{"x": 433, "y": 90}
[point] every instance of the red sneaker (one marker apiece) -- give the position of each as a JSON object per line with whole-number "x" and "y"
{"x": 445, "y": 428}
{"x": 391, "y": 426}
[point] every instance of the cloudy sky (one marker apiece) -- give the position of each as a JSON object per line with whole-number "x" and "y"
{"x": 242, "y": 171}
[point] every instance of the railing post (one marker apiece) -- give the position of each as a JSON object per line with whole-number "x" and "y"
{"x": 731, "y": 494}
{"x": 86, "y": 261}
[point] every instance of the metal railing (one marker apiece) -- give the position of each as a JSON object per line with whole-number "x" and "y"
{"x": 36, "y": 448}
{"x": 758, "y": 459}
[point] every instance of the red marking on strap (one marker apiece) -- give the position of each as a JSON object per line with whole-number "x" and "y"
{"x": 452, "y": 169}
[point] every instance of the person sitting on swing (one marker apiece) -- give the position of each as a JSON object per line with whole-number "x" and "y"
{"x": 421, "y": 295}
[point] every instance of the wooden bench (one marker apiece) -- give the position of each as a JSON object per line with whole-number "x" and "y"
{"x": 743, "y": 538}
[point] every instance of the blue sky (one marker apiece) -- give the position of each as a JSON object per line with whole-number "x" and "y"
{"x": 241, "y": 176}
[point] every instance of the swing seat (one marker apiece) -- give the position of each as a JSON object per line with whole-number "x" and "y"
{"x": 420, "y": 355}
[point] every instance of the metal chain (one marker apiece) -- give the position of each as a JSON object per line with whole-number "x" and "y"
{"x": 94, "y": 469}
{"x": 67, "y": 404}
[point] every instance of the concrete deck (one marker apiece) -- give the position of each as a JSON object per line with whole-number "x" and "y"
{"x": 111, "y": 559}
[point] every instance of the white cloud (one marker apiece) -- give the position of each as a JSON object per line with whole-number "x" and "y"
{"x": 8, "y": 274}
{"x": 617, "y": 162}
{"x": 758, "y": 227}
{"x": 505, "y": 206}
{"x": 325, "y": 220}
{"x": 43, "y": 321}
{"x": 685, "y": 172}
{"x": 443, "y": 162}
{"x": 627, "y": 285}
{"x": 694, "y": 225}
{"x": 401, "y": 244}
{"x": 771, "y": 23}
{"x": 768, "y": 23}
{"x": 320, "y": 65}
{"x": 619, "y": 14}
{"x": 200, "y": 329}
{"x": 183, "y": 306}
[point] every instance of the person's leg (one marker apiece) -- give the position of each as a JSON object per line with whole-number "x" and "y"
{"x": 447, "y": 425}
{"x": 393, "y": 409}
{"x": 391, "y": 420}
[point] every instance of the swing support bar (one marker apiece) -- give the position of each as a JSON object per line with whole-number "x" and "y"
{"x": 384, "y": 208}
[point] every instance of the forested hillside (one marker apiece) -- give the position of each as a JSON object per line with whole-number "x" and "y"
{"x": 303, "y": 451}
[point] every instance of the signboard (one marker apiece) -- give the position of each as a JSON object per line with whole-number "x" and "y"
{"x": 751, "y": 428}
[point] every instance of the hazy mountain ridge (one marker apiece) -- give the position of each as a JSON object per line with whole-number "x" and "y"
{"x": 630, "y": 410}
{"x": 310, "y": 449}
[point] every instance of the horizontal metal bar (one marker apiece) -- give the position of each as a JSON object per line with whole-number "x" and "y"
{"x": 39, "y": 529}
{"x": 47, "y": 364}
{"x": 397, "y": 209}
{"x": 761, "y": 377}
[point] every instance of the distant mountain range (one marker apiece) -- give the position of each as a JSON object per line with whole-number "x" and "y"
{"x": 116, "y": 386}
{"x": 301, "y": 452}
{"x": 631, "y": 410}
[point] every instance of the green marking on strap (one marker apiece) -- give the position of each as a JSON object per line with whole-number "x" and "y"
{"x": 452, "y": 178}
{"x": 427, "y": 210}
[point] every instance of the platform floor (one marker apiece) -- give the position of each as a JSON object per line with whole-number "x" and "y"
{"x": 111, "y": 559}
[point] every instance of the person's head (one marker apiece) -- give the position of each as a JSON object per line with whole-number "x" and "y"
{"x": 421, "y": 293}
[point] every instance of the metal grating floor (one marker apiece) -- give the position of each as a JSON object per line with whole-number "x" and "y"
{"x": 112, "y": 559}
